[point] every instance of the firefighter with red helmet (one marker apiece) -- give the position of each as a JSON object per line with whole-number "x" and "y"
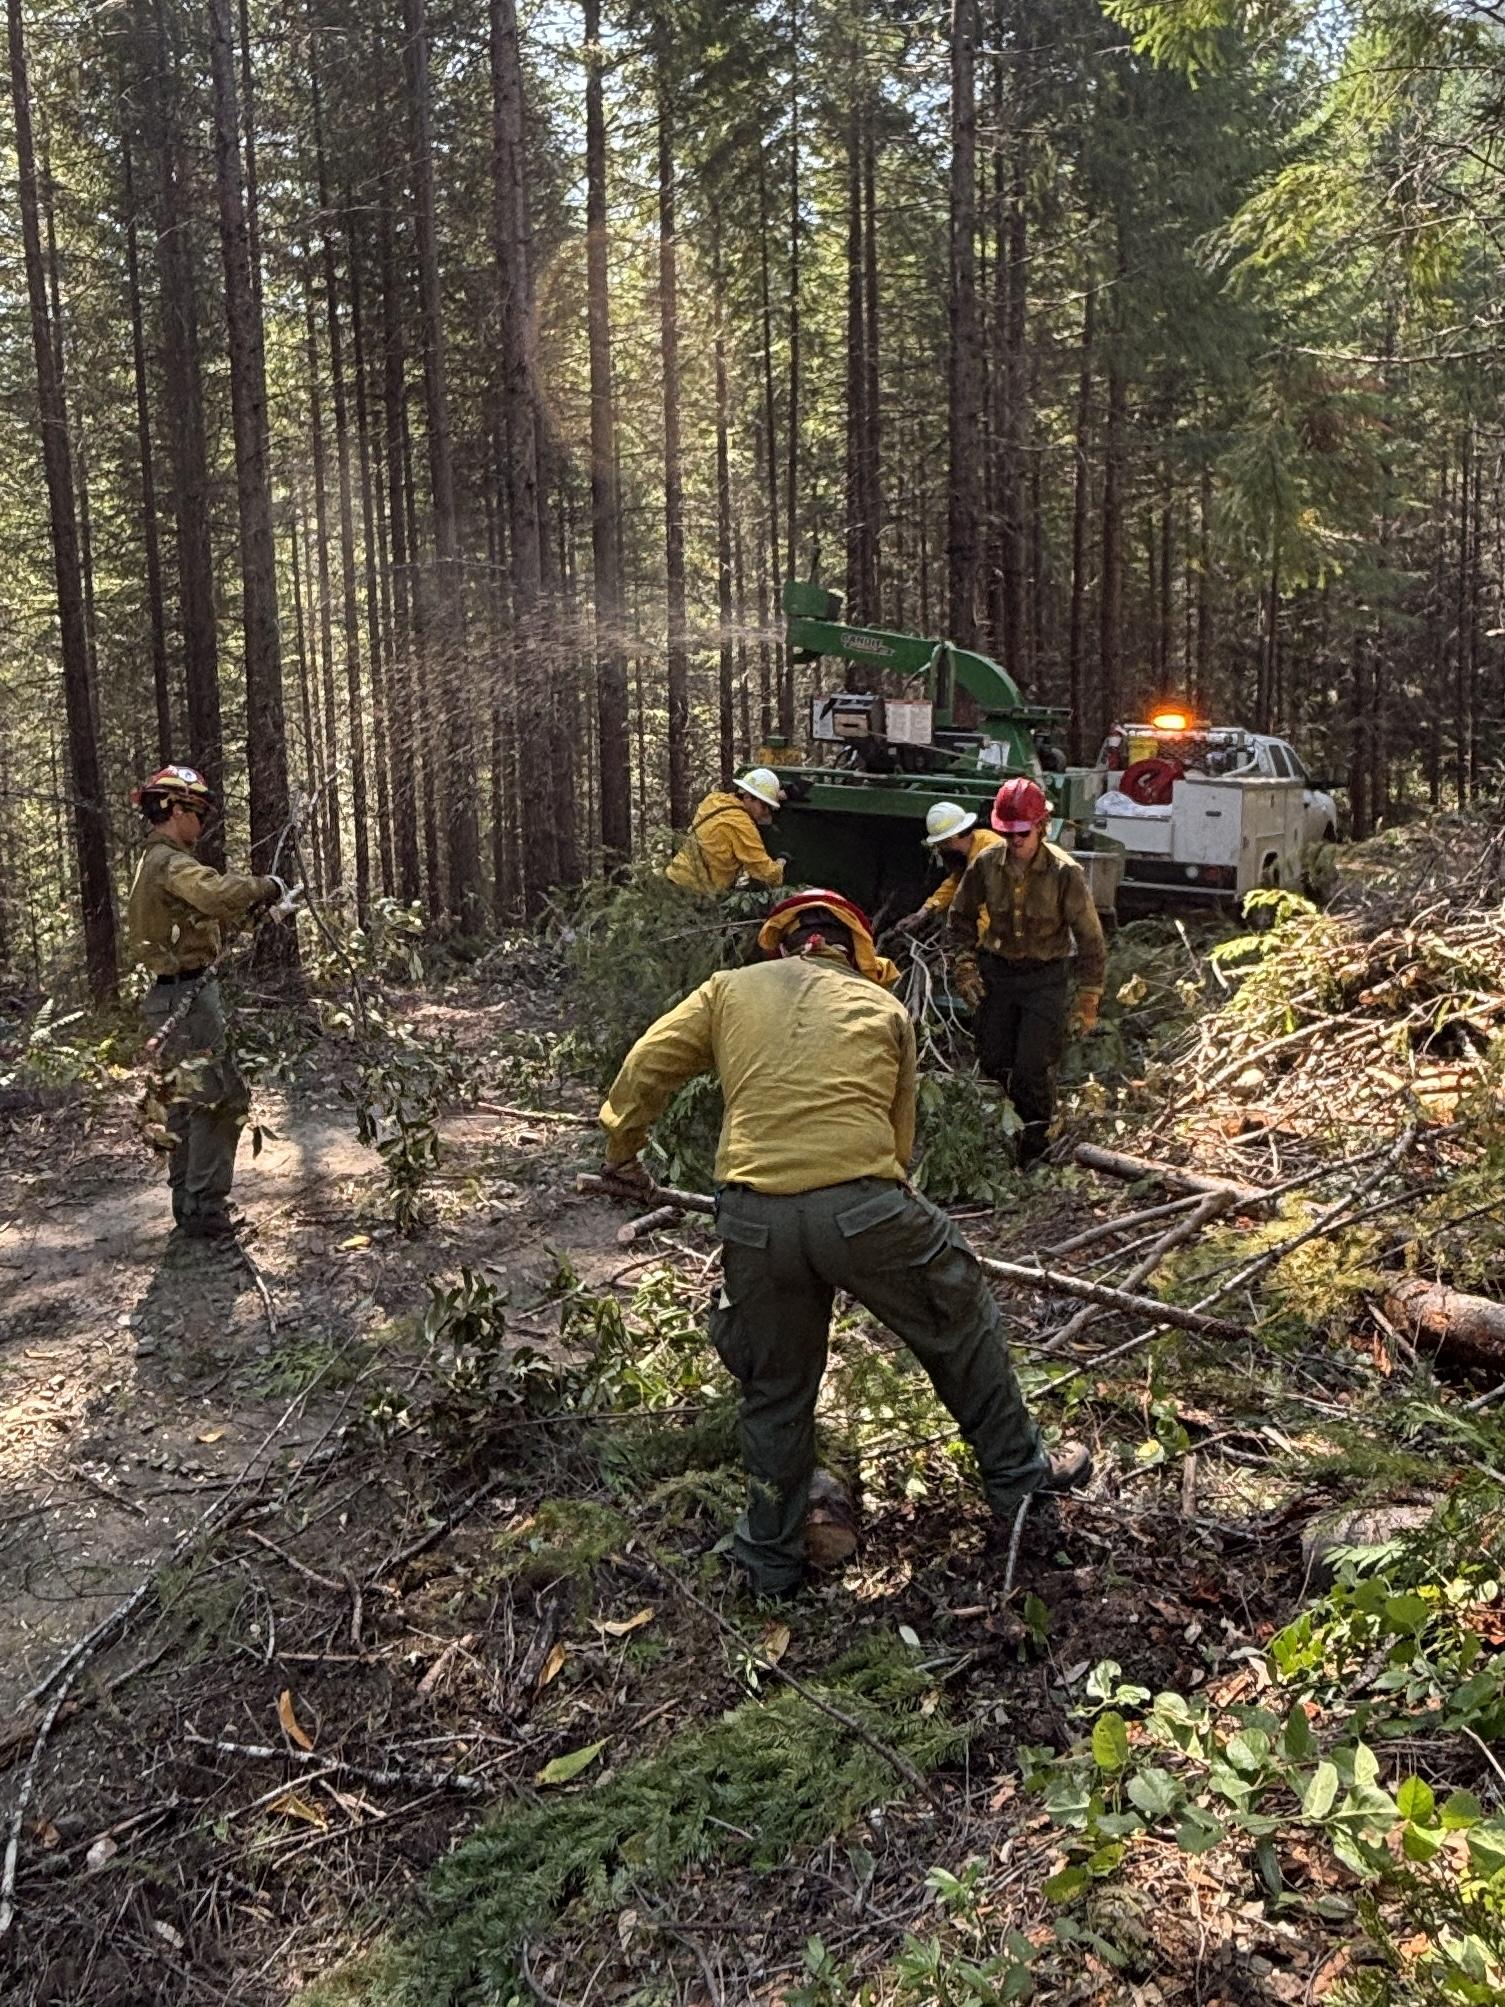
{"x": 1039, "y": 966}
{"x": 817, "y": 1069}
{"x": 178, "y": 908}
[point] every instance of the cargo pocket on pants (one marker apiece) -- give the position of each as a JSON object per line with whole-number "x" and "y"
{"x": 742, "y": 1242}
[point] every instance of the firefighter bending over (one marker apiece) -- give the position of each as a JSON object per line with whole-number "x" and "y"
{"x": 951, "y": 832}
{"x": 726, "y": 837}
{"x": 1018, "y": 977}
{"x": 817, "y": 1068}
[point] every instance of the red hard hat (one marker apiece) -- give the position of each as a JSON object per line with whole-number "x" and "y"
{"x": 184, "y": 784}
{"x": 1018, "y": 805}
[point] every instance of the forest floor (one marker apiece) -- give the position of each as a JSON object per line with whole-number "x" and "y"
{"x": 428, "y": 1682}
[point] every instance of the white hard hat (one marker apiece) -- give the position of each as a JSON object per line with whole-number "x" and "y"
{"x": 762, "y": 783}
{"x": 947, "y": 818}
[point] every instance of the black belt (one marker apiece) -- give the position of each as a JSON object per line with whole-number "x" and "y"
{"x": 183, "y": 976}
{"x": 1018, "y": 965}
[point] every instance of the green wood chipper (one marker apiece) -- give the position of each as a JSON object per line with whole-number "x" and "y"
{"x": 944, "y": 724}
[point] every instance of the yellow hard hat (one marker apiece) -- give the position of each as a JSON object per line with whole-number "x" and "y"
{"x": 762, "y": 783}
{"x": 947, "y": 818}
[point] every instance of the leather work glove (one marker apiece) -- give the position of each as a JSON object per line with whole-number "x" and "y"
{"x": 1084, "y": 1013}
{"x": 969, "y": 984}
{"x": 631, "y": 1180}
{"x": 912, "y": 922}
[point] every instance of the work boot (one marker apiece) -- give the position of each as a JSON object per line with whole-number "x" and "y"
{"x": 217, "y": 1225}
{"x": 831, "y": 1525}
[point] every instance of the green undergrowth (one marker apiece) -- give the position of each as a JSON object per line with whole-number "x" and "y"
{"x": 754, "y": 1788}
{"x": 1368, "y": 1698}
{"x": 637, "y": 946}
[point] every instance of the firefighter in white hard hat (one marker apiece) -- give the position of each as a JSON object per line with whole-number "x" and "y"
{"x": 817, "y": 1068}
{"x": 174, "y": 919}
{"x": 725, "y": 839}
{"x": 953, "y": 836}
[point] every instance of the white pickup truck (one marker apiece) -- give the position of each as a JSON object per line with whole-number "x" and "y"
{"x": 1208, "y": 812}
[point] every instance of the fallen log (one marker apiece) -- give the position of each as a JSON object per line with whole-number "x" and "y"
{"x": 1118, "y": 1164}
{"x": 1051, "y": 1281}
{"x": 1449, "y": 1322}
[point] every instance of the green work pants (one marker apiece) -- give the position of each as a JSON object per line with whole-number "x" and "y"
{"x": 207, "y": 1101}
{"x": 1020, "y": 1033}
{"x": 784, "y": 1258}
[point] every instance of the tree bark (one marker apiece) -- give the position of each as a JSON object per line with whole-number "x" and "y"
{"x": 328, "y": 782}
{"x": 90, "y": 839}
{"x": 611, "y": 664}
{"x": 447, "y": 630}
{"x": 872, "y": 438}
{"x": 791, "y": 484}
{"x": 266, "y": 744}
{"x": 771, "y": 696}
{"x": 184, "y": 388}
{"x": 375, "y": 648}
{"x": 1111, "y": 589}
{"x": 404, "y": 748}
{"x": 1076, "y": 645}
{"x": 534, "y": 660}
{"x": 150, "y": 535}
{"x": 857, "y": 609}
{"x": 674, "y": 525}
{"x": 724, "y": 712}
{"x": 350, "y": 604}
{"x": 963, "y": 509}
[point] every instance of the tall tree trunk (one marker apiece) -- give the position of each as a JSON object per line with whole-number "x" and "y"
{"x": 1111, "y": 590}
{"x": 374, "y": 639}
{"x": 963, "y": 496}
{"x": 1076, "y": 644}
{"x": 726, "y": 724}
{"x": 872, "y": 448}
{"x": 769, "y": 442}
{"x": 328, "y": 781}
{"x": 533, "y": 658}
{"x": 311, "y": 760}
{"x": 183, "y": 383}
{"x": 611, "y": 664}
{"x": 857, "y": 609}
{"x": 404, "y": 745}
{"x": 447, "y": 638}
{"x": 791, "y": 485}
{"x": 674, "y": 525}
{"x": 1202, "y": 678}
{"x": 1463, "y": 668}
{"x": 350, "y": 603}
{"x": 90, "y": 835}
{"x": 156, "y": 611}
{"x": 266, "y": 743}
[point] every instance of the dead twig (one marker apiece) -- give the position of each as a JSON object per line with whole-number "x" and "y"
{"x": 1204, "y": 1210}
{"x": 23, "y": 1799}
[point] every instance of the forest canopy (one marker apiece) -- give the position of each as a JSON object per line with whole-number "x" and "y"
{"x": 436, "y": 399}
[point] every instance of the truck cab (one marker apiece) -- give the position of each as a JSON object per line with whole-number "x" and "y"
{"x": 1208, "y": 812}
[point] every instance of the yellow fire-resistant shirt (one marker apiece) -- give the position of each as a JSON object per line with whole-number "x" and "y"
{"x": 723, "y": 842}
{"x": 177, "y": 906}
{"x": 817, "y": 1070}
{"x": 1035, "y": 915}
{"x": 941, "y": 898}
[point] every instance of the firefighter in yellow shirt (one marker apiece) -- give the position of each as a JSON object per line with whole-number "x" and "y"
{"x": 951, "y": 832}
{"x": 177, "y": 911}
{"x": 817, "y": 1068}
{"x": 726, "y": 837}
